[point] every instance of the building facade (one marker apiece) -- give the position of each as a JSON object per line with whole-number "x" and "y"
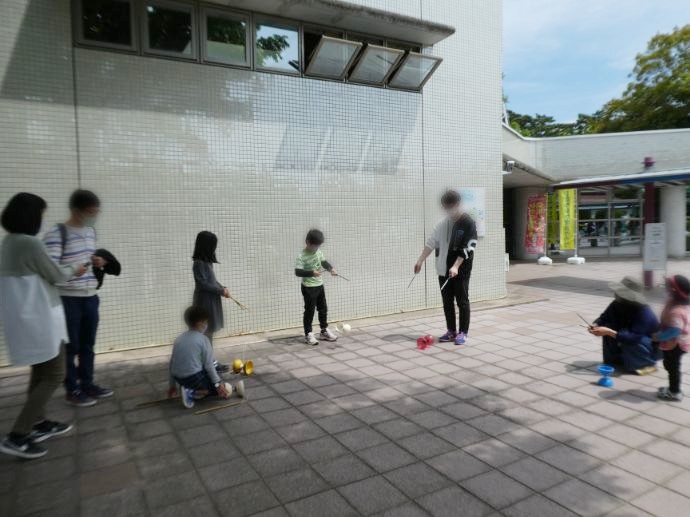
{"x": 179, "y": 138}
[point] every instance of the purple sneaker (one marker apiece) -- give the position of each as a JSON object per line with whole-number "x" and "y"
{"x": 460, "y": 338}
{"x": 447, "y": 337}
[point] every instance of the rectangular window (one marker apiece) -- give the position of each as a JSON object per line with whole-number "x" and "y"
{"x": 375, "y": 64}
{"x": 107, "y": 23}
{"x": 332, "y": 57}
{"x": 169, "y": 29}
{"x": 225, "y": 37}
{"x": 415, "y": 70}
{"x": 276, "y": 47}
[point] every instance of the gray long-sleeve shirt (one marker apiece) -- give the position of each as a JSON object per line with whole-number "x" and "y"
{"x": 192, "y": 353}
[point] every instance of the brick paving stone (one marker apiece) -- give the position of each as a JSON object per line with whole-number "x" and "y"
{"x": 276, "y": 461}
{"x": 316, "y": 506}
{"x": 385, "y": 457}
{"x": 361, "y": 438}
{"x": 300, "y": 432}
{"x": 446, "y": 502}
{"x": 537, "y": 505}
{"x": 425, "y": 445}
{"x": 338, "y": 423}
{"x": 321, "y": 449}
{"x": 296, "y": 484}
{"x": 617, "y": 482}
{"x": 372, "y": 495}
{"x": 582, "y": 498}
{"x": 128, "y": 502}
{"x": 646, "y": 466}
{"x": 494, "y": 452}
{"x": 343, "y": 470}
{"x": 535, "y": 474}
{"x": 417, "y": 480}
{"x": 496, "y": 489}
{"x": 458, "y": 465}
{"x": 108, "y": 479}
{"x": 173, "y": 489}
{"x": 198, "y": 507}
{"x": 246, "y": 499}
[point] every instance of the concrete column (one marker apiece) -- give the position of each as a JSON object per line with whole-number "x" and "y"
{"x": 520, "y": 220}
{"x": 673, "y": 213}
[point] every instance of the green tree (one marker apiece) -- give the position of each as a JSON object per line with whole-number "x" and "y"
{"x": 544, "y": 125}
{"x": 659, "y": 95}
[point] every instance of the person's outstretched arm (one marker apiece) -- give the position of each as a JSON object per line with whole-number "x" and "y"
{"x": 43, "y": 265}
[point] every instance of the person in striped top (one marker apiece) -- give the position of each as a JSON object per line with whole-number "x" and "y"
{"x": 74, "y": 242}
{"x": 308, "y": 267}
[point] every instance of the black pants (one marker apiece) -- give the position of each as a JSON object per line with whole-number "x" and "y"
{"x": 314, "y": 299}
{"x": 672, "y": 364}
{"x": 457, "y": 291}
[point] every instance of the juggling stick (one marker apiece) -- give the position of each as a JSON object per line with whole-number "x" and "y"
{"x": 589, "y": 325}
{"x": 241, "y": 305}
{"x": 154, "y": 402}
{"x": 343, "y": 277}
{"x": 445, "y": 283}
{"x": 216, "y": 408}
{"x": 413, "y": 277}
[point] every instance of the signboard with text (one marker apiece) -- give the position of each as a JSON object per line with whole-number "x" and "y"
{"x": 655, "y": 247}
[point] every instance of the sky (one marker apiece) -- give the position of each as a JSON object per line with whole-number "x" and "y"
{"x": 564, "y": 57}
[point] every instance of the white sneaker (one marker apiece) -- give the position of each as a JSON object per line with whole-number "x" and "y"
{"x": 310, "y": 339}
{"x": 327, "y": 335}
{"x": 239, "y": 389}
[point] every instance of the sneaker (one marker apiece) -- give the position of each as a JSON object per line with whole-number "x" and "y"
{"x": 220, "y": 367}
{"x": 239, "y": 388}
{"x": 187, "y": 397}
{"x": 646, "y": 370}
{"x": 97, "y": 392}
{"x": 310, "y": 339}
{"x": 667, "y": 394}
{"x": 80, "y": 399}
{"x": 447, "y": 337}
{"x": 47, "y": 429}
{"x": 22, "y": 447}
{"x": 327, "y": 335}
{"x": 460, "y": 339}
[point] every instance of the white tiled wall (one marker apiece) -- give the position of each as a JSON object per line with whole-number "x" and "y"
{"x": 174, "y": 148}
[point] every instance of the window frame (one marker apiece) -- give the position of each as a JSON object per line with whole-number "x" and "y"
{"x": 175, "y": 5}
{"x": 229, "y": 15}
{"x": 78, "y": 33}
{"x": 362, "y": 55}
{"x": 277, "y": 23}
{"x": 358, "y": 44}
{"x": 401, "y": 65}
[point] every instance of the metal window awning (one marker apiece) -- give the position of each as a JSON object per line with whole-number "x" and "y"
{"x": 349, "y": 17}
{"x": 667, "y": 177}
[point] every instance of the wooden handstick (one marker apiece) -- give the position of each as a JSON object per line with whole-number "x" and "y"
{"x": 242, "y": 306}
{"x": 157, "y": 401}
{"x": 216, "y": 408}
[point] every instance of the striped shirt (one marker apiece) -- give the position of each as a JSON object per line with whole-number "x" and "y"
{"x": 79, "y": 247}
{"x": 311, "y": 261}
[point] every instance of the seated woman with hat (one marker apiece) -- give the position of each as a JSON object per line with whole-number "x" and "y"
{"x": 627, "y": 326}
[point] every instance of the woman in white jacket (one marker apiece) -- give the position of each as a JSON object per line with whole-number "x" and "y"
{"x": 33, "y": 319}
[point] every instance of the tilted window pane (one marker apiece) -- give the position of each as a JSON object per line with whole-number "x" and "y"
{"x": 414, "y": 71}
{"x": 226, "y": 39}
{"x": 375, "y": 64}
{"x": 170, "y": 29}
{"x": 277, "y": 47}
{"x": 332, "y": 57}
{"x": 107, "y": 21}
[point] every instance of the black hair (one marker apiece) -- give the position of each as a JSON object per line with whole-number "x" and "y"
{"x": 24, "y": 213}
{"x": 679, "y": 286}
{"x": 195, "y": 315}
{"x": 450, "y": 198}
{"x": 83, "y": 200}
{"x": 315, "y": 237}
{"x": 205, "y": 247}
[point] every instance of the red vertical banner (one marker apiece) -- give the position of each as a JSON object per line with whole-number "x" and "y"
{"x": 536, "y": 224}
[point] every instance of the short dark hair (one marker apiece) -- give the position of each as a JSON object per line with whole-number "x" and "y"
{"x": 315, "y": 237}
{"x": 83, "y": 199}
{"x": 24, "y": 213}
{"x": 195, "y": 315}
{"x": 450, "y": 198}
{"x": 205, "y": 247}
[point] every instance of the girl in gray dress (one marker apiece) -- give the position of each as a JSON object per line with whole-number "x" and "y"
{"x": 207, "y": 290}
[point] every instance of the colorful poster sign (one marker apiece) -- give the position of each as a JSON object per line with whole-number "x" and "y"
{"x": 567, "y": 204}
{"x": 536, "y": 224}
{"x": 552, "y": 237}
{"x": 474, "y": 203}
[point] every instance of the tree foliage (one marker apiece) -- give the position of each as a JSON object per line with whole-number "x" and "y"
{"x": 658, "y": 97}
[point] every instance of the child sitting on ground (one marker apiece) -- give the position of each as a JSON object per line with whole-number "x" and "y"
{"x": 674, "y": 335}
{"x": 191, "y": 363}
{"x": 308, "y": 266}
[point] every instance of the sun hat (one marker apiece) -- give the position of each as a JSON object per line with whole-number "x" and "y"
{"x": 629, "y": 289}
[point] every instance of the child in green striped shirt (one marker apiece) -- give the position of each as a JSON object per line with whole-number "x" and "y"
{"x": 308, "y": 266}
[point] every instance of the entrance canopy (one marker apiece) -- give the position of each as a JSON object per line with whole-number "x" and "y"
{"x": 660, "y": 178}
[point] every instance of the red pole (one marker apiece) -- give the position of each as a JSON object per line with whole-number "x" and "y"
{"x": 649, "y": 217}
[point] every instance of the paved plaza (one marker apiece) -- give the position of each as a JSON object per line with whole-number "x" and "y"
{"x": 510, "y": 424}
